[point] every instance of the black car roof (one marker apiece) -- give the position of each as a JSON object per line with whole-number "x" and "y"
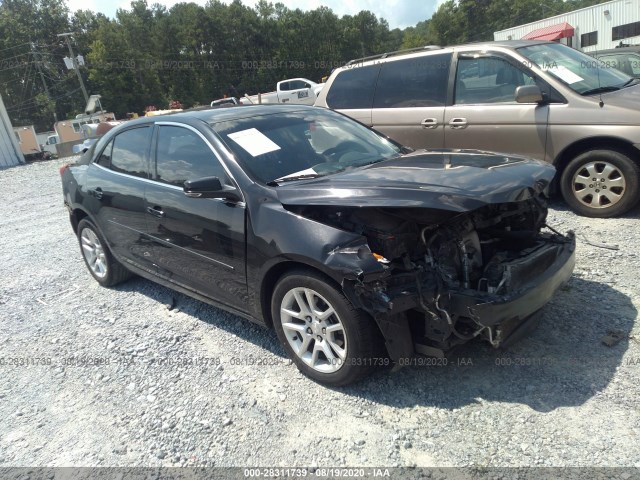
{"x": 213, "y": 115}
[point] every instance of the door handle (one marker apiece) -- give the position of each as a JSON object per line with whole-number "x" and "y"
{"x": 96, "y": 193}
{"x": 429, "y": 123}
{"x": 155, "y": 211}
{"x": 458, "y": 123}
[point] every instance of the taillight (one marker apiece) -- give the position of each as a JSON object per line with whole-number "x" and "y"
{"x": 63, "y": 168}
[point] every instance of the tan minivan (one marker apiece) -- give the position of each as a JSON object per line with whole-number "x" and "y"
{"x": 540, "y": 99}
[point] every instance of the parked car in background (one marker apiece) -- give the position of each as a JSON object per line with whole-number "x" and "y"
{"x": 48, "y": 142}
{"x": 84, "y": 146}
{"x": 358, "y": 251}
{"x": 539, "y": 99}
{"x": 294, "y": 90}
{"x": 225, "y": 102}
{"x": 625, "y": 59}
{"x": 92, "y": 132}
{"x": 52, "y": 140}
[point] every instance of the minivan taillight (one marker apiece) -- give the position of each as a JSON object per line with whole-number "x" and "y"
{"x": 63, "y": 168}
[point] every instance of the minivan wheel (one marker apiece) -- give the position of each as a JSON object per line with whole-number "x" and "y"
{"x": 327, "y": 338}
{"x": 601, "y": 183}
{"x": 99, "y": 260}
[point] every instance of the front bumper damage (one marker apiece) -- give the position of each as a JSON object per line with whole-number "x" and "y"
{"x": 417, "y": 314}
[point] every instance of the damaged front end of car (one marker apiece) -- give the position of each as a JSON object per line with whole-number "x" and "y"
{"x": 447, "y": 277}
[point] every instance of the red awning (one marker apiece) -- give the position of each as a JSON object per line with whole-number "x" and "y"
{"x": 554, "y": 32}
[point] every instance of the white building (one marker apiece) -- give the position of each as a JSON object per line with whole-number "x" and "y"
{"x": 10, "y": 153}
{"x": 599, "y": 27}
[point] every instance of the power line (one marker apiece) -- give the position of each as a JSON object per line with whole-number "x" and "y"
{"x": 24, "y": 64}
{"x": 17, "y": 46}
{"x": 44, "y": 83}
{"x": 32, "y": 102}
{"x": 16, "y": 56}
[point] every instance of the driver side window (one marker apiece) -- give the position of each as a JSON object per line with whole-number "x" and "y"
{"x": 182, "y": 155}
{"x": 488, "y": 80}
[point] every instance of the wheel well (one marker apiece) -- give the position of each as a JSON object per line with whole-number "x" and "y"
{"x": 75, "y": 217}
{"x": 274, "y": 274}
{"x": 582, "y": 146}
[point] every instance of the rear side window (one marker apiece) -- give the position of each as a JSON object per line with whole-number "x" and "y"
{"x": 182, "y": 155}
{"x": 104, "y": 159}
{"x": 353, "y": 87}
{"x": 129, "y": 152}
{"x": 414, "y": 82}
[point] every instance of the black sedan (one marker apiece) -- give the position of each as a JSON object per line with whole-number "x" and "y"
{"x": 358, "y": 251}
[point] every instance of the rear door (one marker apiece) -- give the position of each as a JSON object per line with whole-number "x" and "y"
{"x": 116, "y": 182}
{"x": 199, "y": 243}
{"x": 351, "y": 91}
{"x": 409, "y": 100}
{"x": 484, "y": 114}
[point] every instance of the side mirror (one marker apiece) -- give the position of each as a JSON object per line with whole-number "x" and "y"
{"x": 529, "y": 94}
{"x": 210, "y": 187}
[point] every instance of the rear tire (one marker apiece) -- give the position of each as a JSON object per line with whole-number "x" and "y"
{"x": 328, "y": 339}
{"x": 98, "y": 258}
{"x": 601, "y": 184}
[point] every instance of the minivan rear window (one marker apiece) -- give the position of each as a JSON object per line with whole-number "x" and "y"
{"x": 413, "y": 82}
{"x": 353, "y": 87}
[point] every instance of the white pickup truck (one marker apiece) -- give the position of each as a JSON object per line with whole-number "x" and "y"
{"x": 293, "y": 90}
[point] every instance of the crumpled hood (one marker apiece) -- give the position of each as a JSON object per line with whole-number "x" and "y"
{"x": 455, "y": 180}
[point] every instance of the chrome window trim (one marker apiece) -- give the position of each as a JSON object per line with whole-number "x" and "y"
{"x": 94, "y": 162}
{"x": 166, "y": 185}
{"x": 99, "y": 148}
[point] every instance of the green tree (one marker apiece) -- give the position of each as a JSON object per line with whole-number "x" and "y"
{"x": 417, "y": 36}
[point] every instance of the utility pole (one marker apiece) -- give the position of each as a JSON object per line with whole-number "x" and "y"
{"x": 44, "y": 84}
{"x": 67, "y": 37}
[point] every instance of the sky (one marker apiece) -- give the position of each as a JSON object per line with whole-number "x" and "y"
{"x": 399, "y": 13}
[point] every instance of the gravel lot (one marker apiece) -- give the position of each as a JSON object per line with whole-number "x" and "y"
{"x": 558, "y": 398}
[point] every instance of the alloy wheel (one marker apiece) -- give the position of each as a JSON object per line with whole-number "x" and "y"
{"x": 313, "y": 329}
{"x": 598, "y": 184}
{"x": 93, "y": 253}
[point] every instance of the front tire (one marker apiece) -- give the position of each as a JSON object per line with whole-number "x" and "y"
{"x": 98, "y": 258}
{"x": 601, "y": 184}
{"x": 327, "y": 338}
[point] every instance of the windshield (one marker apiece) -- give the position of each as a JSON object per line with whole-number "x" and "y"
{"x": 580, "y": 72}
{"x": 288, "y": 146}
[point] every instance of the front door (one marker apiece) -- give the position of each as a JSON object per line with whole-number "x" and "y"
{"x": 199, "y": 243}
{"x": 485, "y": 115}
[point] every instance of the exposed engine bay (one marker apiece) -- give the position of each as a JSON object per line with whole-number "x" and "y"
{"x": 450, "y": 277}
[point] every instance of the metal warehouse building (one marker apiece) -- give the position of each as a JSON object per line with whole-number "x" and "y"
{"x": 599, "y": 27}
{"x": 10, "y": 153}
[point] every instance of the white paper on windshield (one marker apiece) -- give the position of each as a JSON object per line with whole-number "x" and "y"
{"x": 254, "y": 142}
{"x": 563, "y": 73}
